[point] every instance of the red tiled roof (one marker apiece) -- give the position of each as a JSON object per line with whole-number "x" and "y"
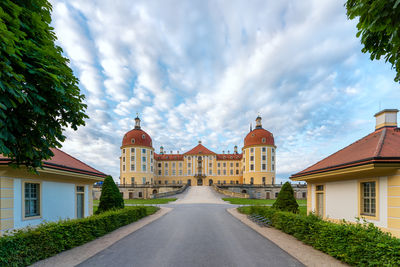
{"x": 199, "y": 149}
{"x": 64, "y": 161}
{"x": 259, "y": 136}
{"x": 137, "y": 137}
{"x": 229, "y": 156}
{"x": 169, "y": 157}
{"x": 383, "y": 145}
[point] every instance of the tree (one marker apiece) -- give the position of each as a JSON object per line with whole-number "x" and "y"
{"x": 39, "y": 93}
{"x": 286, "y": 200}
{"x": 110, "y": 197}
{"x": 379, "y": 28}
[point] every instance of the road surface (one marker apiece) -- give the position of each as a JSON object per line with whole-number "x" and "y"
{"x": 198, "y": 232}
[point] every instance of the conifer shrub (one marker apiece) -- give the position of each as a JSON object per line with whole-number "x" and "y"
{"x": 357, "y": 244}
{"x": 110, "y": 197}
{"x": 286, "y": 200}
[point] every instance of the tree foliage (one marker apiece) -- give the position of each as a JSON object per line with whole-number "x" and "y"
{"x": 379, "y": 28}
{"x": 285, "y": 200}
{"x": 39, "y": 93}
{"x": 110, "y": 197}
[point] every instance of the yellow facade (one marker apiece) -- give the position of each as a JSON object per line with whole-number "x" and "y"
{"x": 199, "y": 166}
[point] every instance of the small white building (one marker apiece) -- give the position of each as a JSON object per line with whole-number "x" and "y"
{"x": 361, "y": 180}
{"x": 62, "y": 189}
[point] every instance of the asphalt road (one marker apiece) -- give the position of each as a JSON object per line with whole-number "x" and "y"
{"x": 194, "y": 235}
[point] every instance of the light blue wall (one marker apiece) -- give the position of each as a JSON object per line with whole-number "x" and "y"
{"x": 58, "y": 202}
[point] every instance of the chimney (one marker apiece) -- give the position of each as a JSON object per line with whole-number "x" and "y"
{"x": 228, "y": 151}
{"x": 235, "y": 150}
{"x": 386, "y": 118}
{"x": 161, "y": 150}
{"x": 171, "y": 151}
{"x": 223, "y": 151}
{"x": 177, "y": 152}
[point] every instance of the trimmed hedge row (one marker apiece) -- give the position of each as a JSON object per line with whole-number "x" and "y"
{"x": 360, "y": 244}
{"x": 30, "y": 245}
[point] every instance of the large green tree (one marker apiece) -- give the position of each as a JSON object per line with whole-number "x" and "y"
{"x": 39, "y": 94}
{"x": 379, "y": 28}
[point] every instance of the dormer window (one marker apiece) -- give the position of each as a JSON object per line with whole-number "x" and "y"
{"x": 263, "y": 140}
{"x": 133, "y": 140}
{"x": 143, "y": 136}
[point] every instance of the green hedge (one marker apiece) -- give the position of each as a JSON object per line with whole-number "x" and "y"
{"x": 30, "y": 245}
{"x": 361, "y": 244}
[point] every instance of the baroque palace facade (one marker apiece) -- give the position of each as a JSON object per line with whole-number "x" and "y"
{"x": 140, "y": 164}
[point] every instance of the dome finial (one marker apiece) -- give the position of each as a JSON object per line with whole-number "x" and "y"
{"x": 258, "y": 122}
{"x": 137, "y": 121}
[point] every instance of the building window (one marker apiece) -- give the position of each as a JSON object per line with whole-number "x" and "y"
{"x": 159, "y": 172}
{"x": 143, "y": 136}
{"x": 237, "y": 164}
{"x": 273, "y": 158}
{"x": 368, "y": 198}
{"x": 133, "y": 140}
{"x": 144, "y": 167}
{"x": 189, "y": 165}
{"x": 251, "y": 167}
{"x": 151, "y": 160}
{"x": 237, "y": 172}
{"x": 304, "y": 194}
{"x": 173, "y": 165}
{"x": 144, "y": 150}
{"x": 263, "y": 140}
{"x": 224, "y": 172}
{"x": 132, "y": 180}
{"x": 123, "y": 159}
{"x": 180, "y": 172}
{"x": 173, "y": 172}
{"x": 219, "y": 172}
{"x": 218, "y": 164}
{"x": 132, "y": 150}
{"x": 143, "y": 180}
{"x": 264, "y": 157}
{"x": 173, "y": 181}
{"x": 251, "y": 158}
{"x": 210, "y": 165}
{"x": 143, "y": 159}
{"x": 224, "y": 164}
{"x": 276, "y": 194}
{"x": 151, "y": 152}
{"x": 166, "y": 172}
{"x": 231, "y": 172}
{"x": 264, "y": 167}
{"x": 251, "y": 150}
{"x": 32, "y": 199}
{"x": 166, "y": 165}
{"x": 80, "y": 196}
{"x": 273, "y": 150}
{"x": 188, "y": 172}
{"x": 210, "y": 172}
{"x": 123, "y": 168}
{"x": 189, "y": 158}
{"x": 159, "y": 165}
{"x": 132, "y": 167}
{"x": 151, "y": 167}
{"x": 263, "y": 180}
{"x": 180, "y": 164}
{"x": 132, "y": 158}
{"x": 319, "y": 188}
{"x": 273, "y": 167}
{"x": 251, "y": 180}
{"x": 231, "y": 182}
{"x": 264, "y": 149}
{"x": 231, "y": 164}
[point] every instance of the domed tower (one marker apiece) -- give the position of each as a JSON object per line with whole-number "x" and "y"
{"x": 137, "y": 157}
{"x": 259, "y": 156}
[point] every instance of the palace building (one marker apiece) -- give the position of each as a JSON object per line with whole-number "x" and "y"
{"x": 140, "y": 164}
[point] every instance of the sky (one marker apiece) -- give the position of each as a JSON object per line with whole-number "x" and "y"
{"x": 203, "y": 70}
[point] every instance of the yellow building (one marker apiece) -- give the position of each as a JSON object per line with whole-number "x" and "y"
{"x": 361, "y": 180}
{"x": 139, "y": 164}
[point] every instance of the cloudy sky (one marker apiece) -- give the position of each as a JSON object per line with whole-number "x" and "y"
{"x": 203, "y": 70}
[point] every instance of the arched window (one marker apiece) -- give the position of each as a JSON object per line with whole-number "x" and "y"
{"x": 133, "y": 140}
{"x": 143, "y": 136}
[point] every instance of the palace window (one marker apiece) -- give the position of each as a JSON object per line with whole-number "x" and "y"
{"x": 123, "y": 168}
{"x": 368, "y": 198}
{"x": 166, "y": 172}
{"x": 166, "y": 182}
{"x": 123, "y": 151}
{"x": 132, "y": 180}
{"x": 144, "y": 150}
{"x": 173, "y": 172}
{"x": 224, "y": 164}
{"x": 159, "y": 172}
{"x": 251, "y": 167}
{"x": 159, "y": 165}
{"x": 273, "y": 158}
{"x": 189, "y": 165}
{"x": 231, "y": 172}
{"x": 143, "y": 159}
{"x": 264, "y": 149}
{"x": 224, "y": 172}
{"x": 144, "y": 167}
{"x": 189, "y": 172}
{"x": 132, "y": 150}
{"x": 189, "y": 158}
{"x": 263, "y": 140}
{"x": 218, "y": 164}
{"x": 237, "y": 164}
{"x": 32, "y": 199}
{"x": 173, "y": 181}
{"x": 251, "y": 158}
{"x": 252, "y": 150}
{"x": 210, "y": 165}
{"x": 180, "y": 172}
{"x": 219, "y": 172}
{"x": 231, "y": 164}
{"x": 180, "y": 164}
{"x": 273, "y": 150}
{"x": 210, "y": 172}
{"x": 133, "y": 140}
{"x": 151, "y": 168}
{"x": 173, "y": 165}
{"x": 264, "y": 167}
{"x": 273, "y": 167}
{"x": 224, "y": 182}
{"x": 132, "y": 158}
{"x": 151, "y": 152}
{"x": 264, "y": 157}
{"x": 123, "y": 159}
{"x": 237, "y": 172}
{"x": 263, "y": 180}
{"x": 143, "y": 180}
{"x": 143, "y": 136}
{"x": 166, "y": 165}
{"x": 132, "y": 167}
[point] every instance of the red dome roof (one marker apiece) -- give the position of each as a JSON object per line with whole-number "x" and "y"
{"x": 137, "y": 137}
{"x": 259, "y": 136}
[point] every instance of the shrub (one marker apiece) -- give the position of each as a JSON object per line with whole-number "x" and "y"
{"x": 285, "y": 200}
{"x": 110, "y": 197}
{"x": 361, "y": 244}
{"x": 29, "y": 245}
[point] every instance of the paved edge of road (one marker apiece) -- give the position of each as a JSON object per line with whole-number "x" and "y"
{"x": 302, "y": 252}
{"x": 79, "y": 254}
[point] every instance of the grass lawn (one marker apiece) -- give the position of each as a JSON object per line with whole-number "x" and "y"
{"x": 149, "y": 209}
{"x": 248, "y": 201}
{"x": 143, "y": 201}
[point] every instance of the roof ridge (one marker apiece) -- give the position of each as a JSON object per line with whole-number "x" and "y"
{"x": 381, "y": 141}
{"x": 336, "y": 152}
{"x": 77, "y": 160}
